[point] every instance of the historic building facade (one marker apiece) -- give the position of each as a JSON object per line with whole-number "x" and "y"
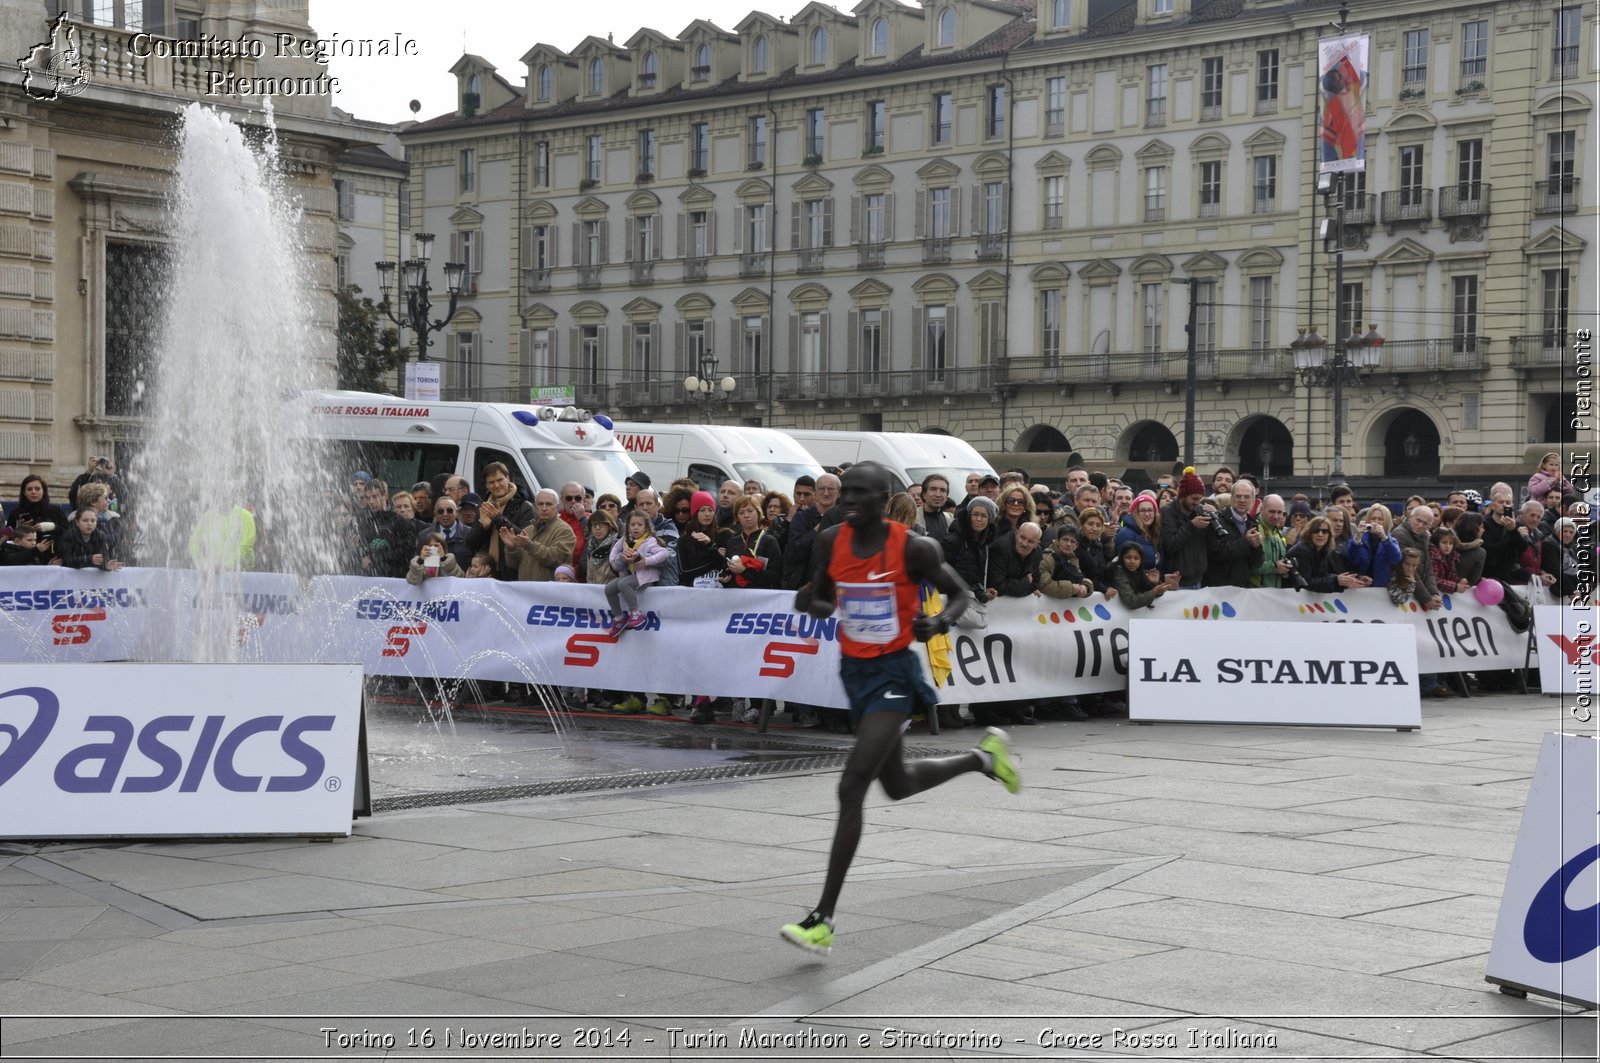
{"x": 84, "y": 183}
{"x": 989, "y": 217}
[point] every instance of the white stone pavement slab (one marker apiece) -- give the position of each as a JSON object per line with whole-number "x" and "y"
{"x": 1338, "y": 888}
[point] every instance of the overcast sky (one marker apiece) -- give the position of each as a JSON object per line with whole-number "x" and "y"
{"x": 499, "y": 30}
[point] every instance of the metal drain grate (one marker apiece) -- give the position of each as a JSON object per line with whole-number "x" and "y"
{"x": 625, "y": 781}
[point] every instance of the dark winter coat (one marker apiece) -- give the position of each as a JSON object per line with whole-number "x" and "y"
{"x": 1320, "y": 568}
{"x": 968, "y": 553}
{"x": 78, "y": 552}
{"x": 1011, "y": 575}
{"x": 1183, "y": 546}
{"x": 1230, "y": 559}
{"x": 763, "y": 559}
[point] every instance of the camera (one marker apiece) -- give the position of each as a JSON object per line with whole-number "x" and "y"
{"x": 1297, "y": 581}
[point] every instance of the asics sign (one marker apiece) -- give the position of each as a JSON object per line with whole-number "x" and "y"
{"x": 108, "y": 749}
{"x": 1547, "y": 937}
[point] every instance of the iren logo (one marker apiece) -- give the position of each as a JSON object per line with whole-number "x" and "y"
{"x": 26, "y": 740}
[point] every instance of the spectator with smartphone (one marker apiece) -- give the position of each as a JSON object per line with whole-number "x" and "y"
{"x": 1373, "y": 552}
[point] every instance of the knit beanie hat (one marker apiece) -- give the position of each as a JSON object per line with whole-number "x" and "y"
{"x": 699, "y": 500}
{"x": 567, "y": 571}
{"x": 1146, "y": 496}
{"x": 985, "y": 503}
{"x": 1191, "y": 484}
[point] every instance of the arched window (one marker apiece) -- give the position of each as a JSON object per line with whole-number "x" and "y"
{"x": 880, "y": 37}
{"x": 819, "y": 46}
{"x": 702, "y": 62}
{"x": 544, "y": 81}
{"x": 647, "y": 70}
{"x": 947, "y": 28}
{"x": 475, "y": 85}
{"x": 597, "y": 77}
{"x": 758, "y": 56}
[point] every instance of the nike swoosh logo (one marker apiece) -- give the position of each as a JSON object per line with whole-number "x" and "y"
{"x": 894, "y": 697}
{"x": 882, "y": 575}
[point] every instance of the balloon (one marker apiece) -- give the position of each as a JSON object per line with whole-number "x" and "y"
{"x": 1489, "y": 592}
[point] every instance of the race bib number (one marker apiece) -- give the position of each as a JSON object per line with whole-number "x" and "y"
{"x": 867, "y": 612}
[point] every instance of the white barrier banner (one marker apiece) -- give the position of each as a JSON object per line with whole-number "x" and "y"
{"x": 146, "y": 750}
{"x": 1548, "y": 932}
{"x": 1353, "y": 675}
{"x": 726, "y": 643}
{"x": 58, "y": 615}
{"x": 1566, "y": 643}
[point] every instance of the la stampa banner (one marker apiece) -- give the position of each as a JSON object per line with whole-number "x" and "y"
{"x": 726, "y": 643}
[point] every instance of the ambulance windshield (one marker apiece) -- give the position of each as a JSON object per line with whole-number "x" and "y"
{"x": 603, "y": 470}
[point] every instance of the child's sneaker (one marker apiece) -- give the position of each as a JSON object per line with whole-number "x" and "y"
{"x": 635, "y": 620}
{"x": 813, "y": 933}
{"x": 618, "y": 625}
{"x": 1001, "y": 766}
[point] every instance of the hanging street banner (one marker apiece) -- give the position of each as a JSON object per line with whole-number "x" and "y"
{"x": 724, "y": 643}
{"x": 1547, "y": 937}
{"x": 1566, "y": 642}
{"x": 1342, "y": 73}
{"x": 1347, "y": 675}
{"x": 422, "y": 381}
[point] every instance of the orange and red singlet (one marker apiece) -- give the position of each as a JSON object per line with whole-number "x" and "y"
{"x": 877, "y": 599}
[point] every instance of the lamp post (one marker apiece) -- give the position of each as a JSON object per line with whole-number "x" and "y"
{"x": 706, "y": 389}
{"x": 1354, "y": 359}
{"x": 414, "y": 279}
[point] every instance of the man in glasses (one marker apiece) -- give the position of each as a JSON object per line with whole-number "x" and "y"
{"x": 575, "y": 513}
{"x": 808, "y": 521}
{"x": 447, "y": 524}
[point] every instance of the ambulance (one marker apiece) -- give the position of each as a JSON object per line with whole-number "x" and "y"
{"x": 909, "y": 456}
{"x": 710, "y": 454}
{"x": 402, "y": 442}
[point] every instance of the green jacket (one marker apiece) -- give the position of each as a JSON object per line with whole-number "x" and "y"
{"x": 1273, "y": 549}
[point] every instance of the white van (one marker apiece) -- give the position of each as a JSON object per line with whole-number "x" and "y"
{"x": 402, "y": 442}
{"x": 909, "y": 456}
{"x": 710, "y": 453}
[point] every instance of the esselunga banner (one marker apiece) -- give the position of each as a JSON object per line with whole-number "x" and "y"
{"x": 727, "y": 643}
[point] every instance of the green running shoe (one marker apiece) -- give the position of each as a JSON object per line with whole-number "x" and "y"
{"x": 630, "y": 704}
{"x": 1002, "y": 767}
{"x": 813, "y": 933}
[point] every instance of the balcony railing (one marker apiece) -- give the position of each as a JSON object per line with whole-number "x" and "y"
{"x": 753, "y": 264}
{"x": 588, "y": 276}
{"x": 991, "y": 246}
{"x": 1438, "y": 355}
{"x": 108, "y": 55}
{"x": 1211, "y": 112}
{"x": 1212, "y": 209}
{"x": 935, "y": 249}
{"x": 1155, "y": 114}
{"x": 536, "y": 280}
{"x": 1239, "y": 367}
{"x": 1054, "y": 125}
{"x": 1539, "y": 349}
{"x": 695, "y": 269}
{"x": 1555, "y": 196}
{"x": 869, "y": 256}
{"x": 642, "y": 272}
{"x": 700, "y": 73}
{"x": 1412, "y": 206}
{"x": 1464, "y": 201}
{"x": 810, "y": 260}
{"x": 1266, "y": 106}
{"x": 1360, "y": 209}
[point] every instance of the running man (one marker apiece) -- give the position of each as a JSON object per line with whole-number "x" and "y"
{"x": 870, "y": 569}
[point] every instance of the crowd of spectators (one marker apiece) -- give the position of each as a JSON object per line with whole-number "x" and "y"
{"x": 1009, "y": 538}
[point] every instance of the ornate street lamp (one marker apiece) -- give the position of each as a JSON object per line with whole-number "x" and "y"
{"x": 706, "y": 389}
{"x": 414, "y": 280}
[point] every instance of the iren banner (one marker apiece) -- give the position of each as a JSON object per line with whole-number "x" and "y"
{"x": 730, "y": 643}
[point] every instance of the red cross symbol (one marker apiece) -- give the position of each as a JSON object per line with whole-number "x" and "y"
{"x": 580, "y": 433}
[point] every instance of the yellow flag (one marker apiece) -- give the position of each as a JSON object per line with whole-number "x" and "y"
{"x": 939, "y": 645}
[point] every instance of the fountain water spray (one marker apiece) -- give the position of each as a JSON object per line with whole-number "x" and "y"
{"x": 240, "y": 335}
